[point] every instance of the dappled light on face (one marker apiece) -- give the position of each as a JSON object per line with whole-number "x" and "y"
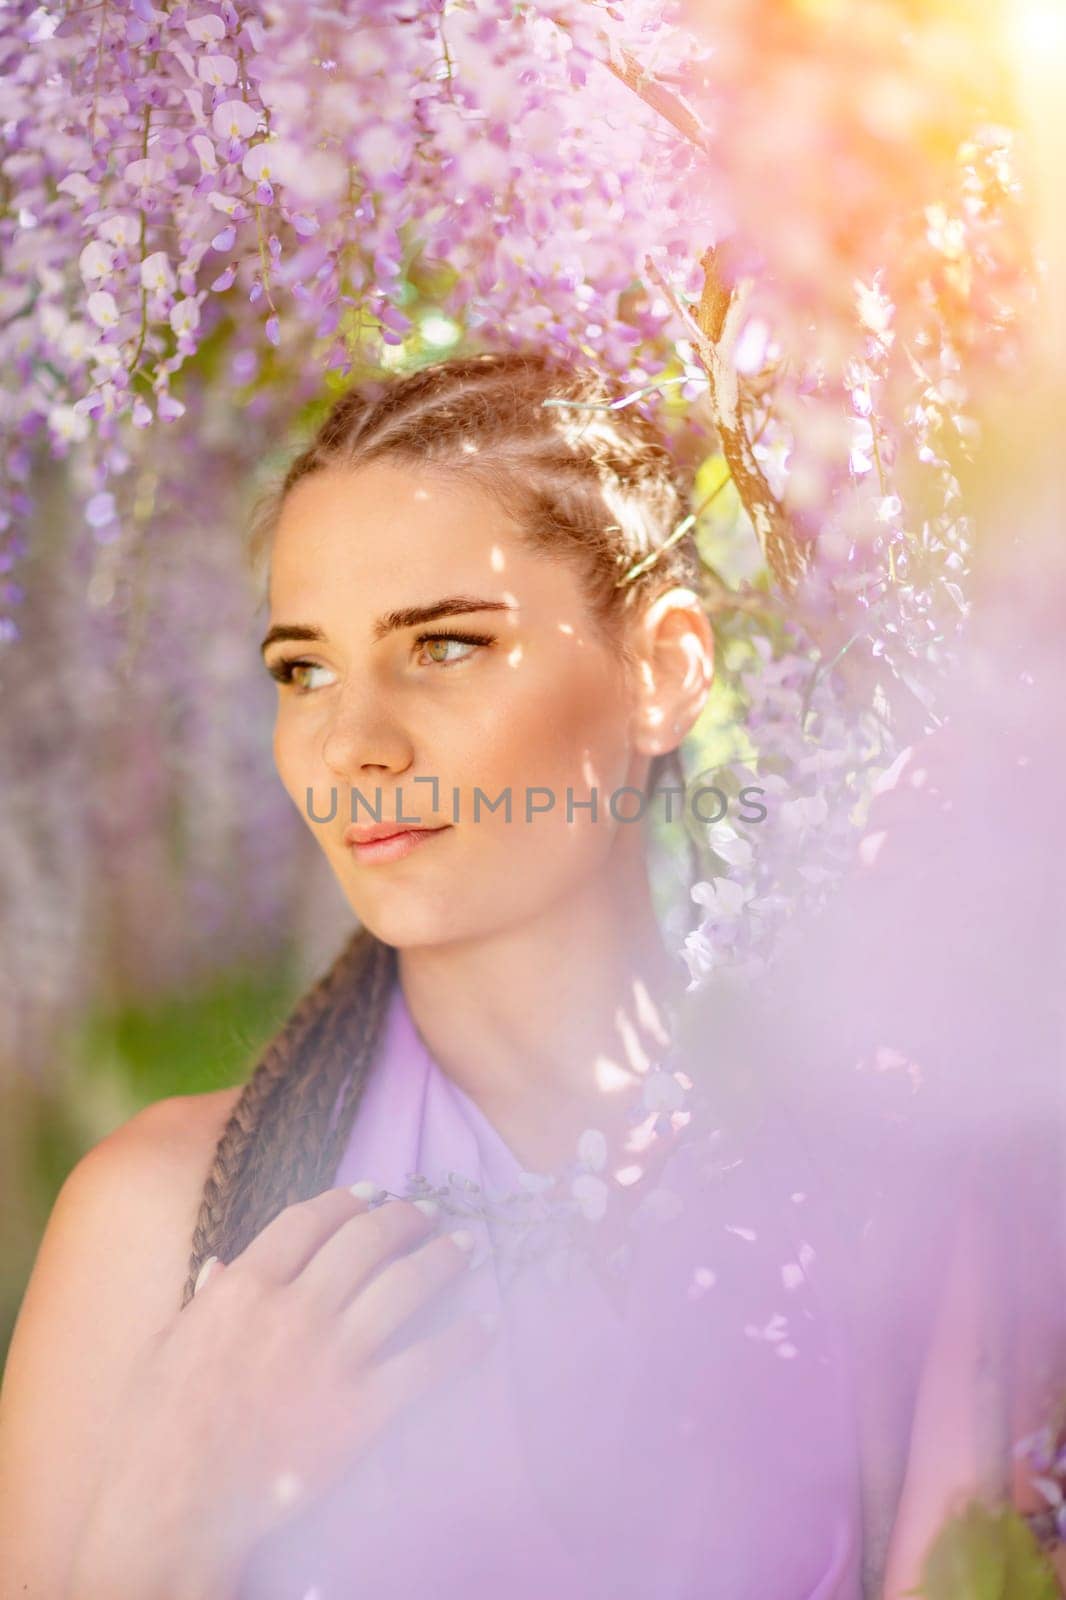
{"x": 589, "y": 771}
{"x": 497, "y": 558}
{"x": 615, "y": 1089}
{"x": 609, "y": 1076}
{"x": 642, "y": 1137}
{"x": 693, "y": 649}
{"x": 515, "y": 655}
{"x": 579, "y": 633}
{"x": 647, "y": 1011}
{"x": 636, "y": 1056}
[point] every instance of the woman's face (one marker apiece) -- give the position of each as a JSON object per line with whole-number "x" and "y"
{"x": 538, "y": 704}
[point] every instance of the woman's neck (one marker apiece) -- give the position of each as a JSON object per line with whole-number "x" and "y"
{"x": 550, "y": 1026}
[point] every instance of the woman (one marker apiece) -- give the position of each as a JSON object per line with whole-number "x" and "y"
{"x": 479, "y": 583}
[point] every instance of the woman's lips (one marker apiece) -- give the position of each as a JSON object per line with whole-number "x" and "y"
{"x": 395, "y": 846}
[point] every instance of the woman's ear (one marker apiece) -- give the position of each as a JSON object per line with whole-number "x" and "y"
{"x": 673, "y": 646}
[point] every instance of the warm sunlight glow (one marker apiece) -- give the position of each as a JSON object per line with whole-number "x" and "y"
{"x": 1037, "y": 27}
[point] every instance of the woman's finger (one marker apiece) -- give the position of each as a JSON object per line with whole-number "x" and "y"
{"x": 387, "y": 1387}
{"x": 348, "y": 1259}
{"x": 210, "y": 1268}
{"x": 399, "y": 1292}
{"x": 290, "y": 1240}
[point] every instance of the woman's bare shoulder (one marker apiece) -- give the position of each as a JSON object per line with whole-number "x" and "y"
{"x": 187, "y": 1116}
{"x": 127, "y": 1209}
{"x": 108, "y": 1275}
{"x": 163, "y": 1152}
{"x": 179, "y": 1128}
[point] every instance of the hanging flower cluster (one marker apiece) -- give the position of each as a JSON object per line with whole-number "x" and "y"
{"x": 798, "y": 224}
{"x": 327, "y": 181}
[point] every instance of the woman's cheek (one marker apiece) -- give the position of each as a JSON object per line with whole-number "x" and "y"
{"x": 294, "y": 760}
{"x": 282, "y": 758}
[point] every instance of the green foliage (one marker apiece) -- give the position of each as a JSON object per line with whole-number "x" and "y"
{"x": 190, "y": 1042}
{"x": 187, "y": 1042}
{"x": 987, "y": 1555}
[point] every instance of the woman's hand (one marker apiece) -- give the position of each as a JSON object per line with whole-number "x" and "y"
{"x": 277, "y": 1375}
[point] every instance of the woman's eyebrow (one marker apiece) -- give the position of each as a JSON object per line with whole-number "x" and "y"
{"x": 289, "y": 630}
{"x": 453, "y": 606}
{"x": 406, "y": 617}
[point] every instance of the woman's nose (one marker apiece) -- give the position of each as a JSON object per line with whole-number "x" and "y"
{"x": 362, "y": 742}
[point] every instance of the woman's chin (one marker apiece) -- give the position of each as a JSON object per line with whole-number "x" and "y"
{"x": 406, "y": 926}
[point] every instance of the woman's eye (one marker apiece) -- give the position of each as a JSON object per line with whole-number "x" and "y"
{"x": 438, "y": 658}
{"x": 291, "y": 673}
{"x": 288, "y": 672}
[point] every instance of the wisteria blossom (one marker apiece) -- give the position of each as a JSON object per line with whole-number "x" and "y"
{"x": 792, "y": 233}
{"x": 797, "y": 241}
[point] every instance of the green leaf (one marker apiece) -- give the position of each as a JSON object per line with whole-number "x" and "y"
{"x": 987, "y": 1555}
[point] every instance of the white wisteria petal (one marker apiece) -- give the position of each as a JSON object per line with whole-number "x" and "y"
{"x": 592, "y": 1149}
{"x": 67, "y": 424}
{"x": 96, "y": 260}
{"x": 591, "y": 1195}
{"x": 204, "y": 151}
{"x": 234, "y": 119}
{"x": 185, "y": 315}
{"x": 103, "y": 309}
{"x": 206, "y": 29}
{"x": 722, "y": 896}
{"x": 219, "y": 71}
{"x": 156, "y": 272}
{"x": 122, "y": 230}
{"x": 77, "y": 185}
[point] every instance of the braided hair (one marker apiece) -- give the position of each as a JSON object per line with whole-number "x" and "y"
{"x": 592, "y": 484}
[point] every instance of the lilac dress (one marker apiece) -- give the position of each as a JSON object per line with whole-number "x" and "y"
{"x": 701, "y": 1445}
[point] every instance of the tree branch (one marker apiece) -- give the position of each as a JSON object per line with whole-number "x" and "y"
{"x": 715, "y": 327}
{"x": 654, "y": 93}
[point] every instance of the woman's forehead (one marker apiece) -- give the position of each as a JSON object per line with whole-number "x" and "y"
{"x": 383, "y": 530}
{"x": 360, "y": 515}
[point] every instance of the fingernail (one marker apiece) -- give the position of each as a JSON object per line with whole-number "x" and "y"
{"x": 365, "y": 1190}
{"x": 428, "y": 1208}
{"x": 204, "y": 1273}
{"x": 463, "y": 1238}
